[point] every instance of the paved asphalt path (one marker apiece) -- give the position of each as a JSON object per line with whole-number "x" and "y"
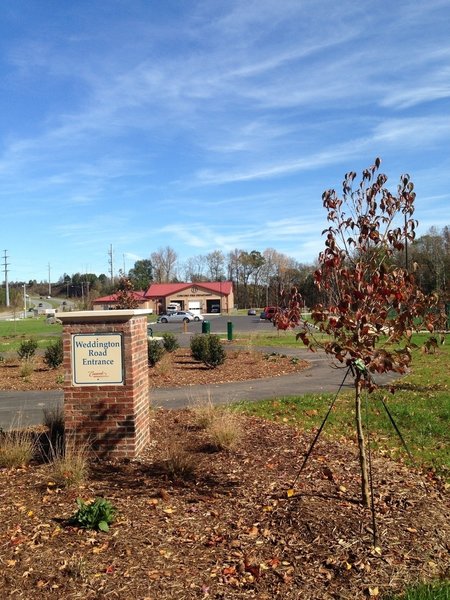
{"x": 26, "y": 408}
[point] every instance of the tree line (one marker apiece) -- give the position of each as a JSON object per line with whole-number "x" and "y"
{"x": 259, "y": 278}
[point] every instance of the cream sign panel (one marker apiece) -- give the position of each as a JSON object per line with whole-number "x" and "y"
{"x": 97, "y": 359}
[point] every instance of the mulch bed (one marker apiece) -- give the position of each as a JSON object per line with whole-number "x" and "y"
{"x": 176, "y": 369}
{"x": 180, "y": 369}
{"x": 230, "y": 531}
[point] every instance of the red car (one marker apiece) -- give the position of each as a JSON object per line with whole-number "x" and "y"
{"x": 269, "y": 312}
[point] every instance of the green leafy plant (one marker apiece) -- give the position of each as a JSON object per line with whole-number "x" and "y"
{"x": 198, "y": 346}
{"x": 155, "y": 351}
{"x": 208, "y": 349}
{"x": 98, "y": 514}
{"x": 170, "y": 342}
{"x": 54, "y": 355}
{"x": 27, "y": 349}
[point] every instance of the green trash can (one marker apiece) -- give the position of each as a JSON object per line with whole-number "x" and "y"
{"x": 206, "y": 327}
{"x": 229, "y": 331}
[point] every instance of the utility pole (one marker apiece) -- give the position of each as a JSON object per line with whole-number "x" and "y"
{"x": 6, "y": 279}
{"x": 49, "y": 281}
{"x": 111, "y": 263}
{"x": 24, "y": 300}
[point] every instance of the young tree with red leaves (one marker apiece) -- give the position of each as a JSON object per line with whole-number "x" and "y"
{"x": 372, "y": 305}
{"x": 125, "y": 295}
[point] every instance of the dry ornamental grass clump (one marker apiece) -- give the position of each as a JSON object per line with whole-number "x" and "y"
{"x": 224, "y": 429}
{"x": 17, "y": 448}
{"x": 178, "y": 461}
{"x": 69, "y": 462}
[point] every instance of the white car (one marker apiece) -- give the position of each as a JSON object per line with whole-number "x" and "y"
{"x": 180, "y": 316}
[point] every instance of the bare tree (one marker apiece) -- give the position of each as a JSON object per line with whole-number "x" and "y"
{"x": 164, "y": 262}
{"x": 195, "y": 268}
{"x": 216, "y": 264}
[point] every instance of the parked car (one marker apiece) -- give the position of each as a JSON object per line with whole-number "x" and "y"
{"x": 215, "y": 308}
{"x": 181, "y": 316}
{"x": 269, "y": 312}
{"x": 173, "y": 307}
{"x": 251, "y": 312}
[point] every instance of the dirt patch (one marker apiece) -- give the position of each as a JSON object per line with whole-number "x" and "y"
{"x": 229, "y": 531}
{"x": 176, "y": 369}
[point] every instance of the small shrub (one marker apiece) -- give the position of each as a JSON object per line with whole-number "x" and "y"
{"x": 208, "y": 349}
{"x": 27, "y": 349}
{"x": 155, "y": 351}
{"x": 198, "y": 346}
{"x": 216, "y": 352}
{"x": 54, "y": 355}
{"x": 17, "y": 448}
{"x": 98, "y": 514}
{"x": 170, "y": 342}
{"x": 225, "y": 430}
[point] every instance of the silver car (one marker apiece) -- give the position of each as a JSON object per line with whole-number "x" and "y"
{"x": 180, "y": 316}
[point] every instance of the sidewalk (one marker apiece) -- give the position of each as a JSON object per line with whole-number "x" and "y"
{"x": 26, "y": 408}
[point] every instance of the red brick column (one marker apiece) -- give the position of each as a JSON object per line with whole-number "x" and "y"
{"x": 113, "y": 419}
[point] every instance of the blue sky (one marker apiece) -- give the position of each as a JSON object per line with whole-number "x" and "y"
{"x": 209, "y": 124}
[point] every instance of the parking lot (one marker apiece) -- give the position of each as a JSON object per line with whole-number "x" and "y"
{"x": 218, "y": 325}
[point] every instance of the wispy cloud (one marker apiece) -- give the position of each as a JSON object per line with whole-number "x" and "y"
{"x": 215, "y": 126}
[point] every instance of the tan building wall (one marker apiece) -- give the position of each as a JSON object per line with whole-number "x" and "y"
{"x": 206, "y": 299}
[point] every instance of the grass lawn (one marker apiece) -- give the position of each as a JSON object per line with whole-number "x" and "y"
{"x": 420, "y": 407}
{"x": 12, "y": 333}
{"x": 425, "y": 592}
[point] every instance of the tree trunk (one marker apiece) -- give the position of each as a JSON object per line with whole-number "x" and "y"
{"x": 361, "y": 444}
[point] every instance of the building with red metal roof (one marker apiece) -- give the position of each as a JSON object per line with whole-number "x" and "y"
{"x": 198, "y": 297}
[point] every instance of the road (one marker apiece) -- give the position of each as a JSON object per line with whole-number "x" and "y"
{"x": 26, "y": 408}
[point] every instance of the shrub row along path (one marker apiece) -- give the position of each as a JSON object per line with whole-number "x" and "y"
{"x": 18, "y": 408}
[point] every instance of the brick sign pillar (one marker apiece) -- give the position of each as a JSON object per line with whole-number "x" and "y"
{"x": 106, "y": 393}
